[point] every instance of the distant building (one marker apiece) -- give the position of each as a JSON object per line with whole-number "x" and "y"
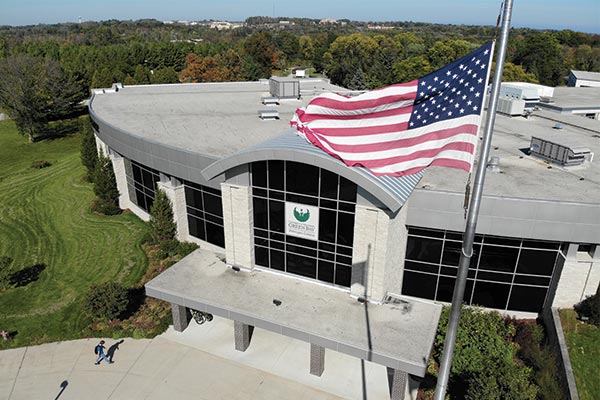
{"x": 293, "y": 241}
{"x": 584, "y": 79}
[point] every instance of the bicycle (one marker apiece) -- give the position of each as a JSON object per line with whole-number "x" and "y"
{"x": 201, "y": 317}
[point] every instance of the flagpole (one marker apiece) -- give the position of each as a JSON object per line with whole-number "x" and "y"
{"x": 467, "y": 247}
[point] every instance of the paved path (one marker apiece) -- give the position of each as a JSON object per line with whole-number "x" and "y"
{"x": 200, "y": 363}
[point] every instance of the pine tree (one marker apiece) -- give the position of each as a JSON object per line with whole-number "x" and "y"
{"x": 105, "y": 187}
{"x": 162, "y": 224}
{"x": 89, "y": 153}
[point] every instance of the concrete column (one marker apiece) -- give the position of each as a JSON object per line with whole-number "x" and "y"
{"x": 242, "y": 335}
{"x": 181, "y": 317}
{"x": 378, "y": 252}
{"x": 397, "y": 381}
{"x": 317, "y": 359}
{"x": 176, "y": 194}
{"x": 238, "y": 221}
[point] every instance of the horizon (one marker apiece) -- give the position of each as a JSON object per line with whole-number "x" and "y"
{"x": 578, "y": 15}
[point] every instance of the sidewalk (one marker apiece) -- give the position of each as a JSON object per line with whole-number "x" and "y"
{"x": 200, "y": 363}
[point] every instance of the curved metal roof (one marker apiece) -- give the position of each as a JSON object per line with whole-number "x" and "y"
{"x": 393, "y": 192}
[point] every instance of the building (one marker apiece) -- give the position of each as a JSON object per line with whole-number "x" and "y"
{"x": 584, "y": 79}
{"x": 295, "y": 242}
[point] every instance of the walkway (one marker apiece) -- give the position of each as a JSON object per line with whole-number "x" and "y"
{"x": 199, "y": 363}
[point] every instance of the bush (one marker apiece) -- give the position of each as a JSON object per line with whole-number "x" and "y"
{"x": 106, "y": 301}
{"x": 105, "y": 207}
{"x": 39, "y": 164}
{"x": 590, "y": 308}
{"x": 186, "y": 248}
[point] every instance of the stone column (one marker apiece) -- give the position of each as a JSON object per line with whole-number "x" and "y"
{"x": 317, "y": 359}
{"x": 378, "y": 252}
{"x": 181, "y": 317}
{"x": 175, "y": 191}
{"x": 397, "y": 380}
{"x": 242, "y": 335}
{"x": 238, "y": 223}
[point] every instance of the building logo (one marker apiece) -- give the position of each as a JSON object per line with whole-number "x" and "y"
{"x": 301, "y": 215}
{"x": 302, "y": 221}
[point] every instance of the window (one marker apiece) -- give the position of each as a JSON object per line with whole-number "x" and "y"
{"x": 205, "y": 213}
{"x": 504, "y": 273}
{"x": 327, "y": 259}
{"x": 141, "y": 183}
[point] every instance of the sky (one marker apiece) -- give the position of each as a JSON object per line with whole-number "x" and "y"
{"x": 578, "y": 15}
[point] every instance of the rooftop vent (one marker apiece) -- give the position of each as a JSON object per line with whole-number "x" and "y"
{"x": 268, "y": 114}
{"x": 494, "y": 164}
{"x": 557, "y": 126}
{"x": 511, "y": 106}
{"x": 560, "y": 152}
{"x": 270, "y": 101}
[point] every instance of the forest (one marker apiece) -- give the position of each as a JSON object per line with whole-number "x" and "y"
{"x": 63, "y": 62}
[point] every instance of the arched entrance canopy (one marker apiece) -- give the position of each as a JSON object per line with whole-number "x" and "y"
{"x": 393, "y": 192}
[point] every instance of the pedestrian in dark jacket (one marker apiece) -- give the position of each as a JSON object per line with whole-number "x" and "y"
{"x": 99, "y": 350}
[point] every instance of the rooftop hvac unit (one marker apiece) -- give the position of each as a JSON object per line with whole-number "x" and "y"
{"x": 511, "y": 106}
{"x": 284, "y": 88}
{"x": 559, "y": 153}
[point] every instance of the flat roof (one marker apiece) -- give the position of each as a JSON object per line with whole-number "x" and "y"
{"x": 575, "y": 98}
{"x": 214, "y": 119}
{"x": 527, "y": 176}
{"x": 220, "y": 119}
{"x": 587, "y": 75}
{"x": 395, "y": 335}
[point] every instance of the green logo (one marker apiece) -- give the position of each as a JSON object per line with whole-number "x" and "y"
{"x": 302, "y": 215}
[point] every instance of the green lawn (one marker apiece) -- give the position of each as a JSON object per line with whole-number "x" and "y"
{"x": 45, "y": 219}
{"x": 583, "y": 341}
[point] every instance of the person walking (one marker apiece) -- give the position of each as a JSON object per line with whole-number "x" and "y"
{"x": 99, "y": 351}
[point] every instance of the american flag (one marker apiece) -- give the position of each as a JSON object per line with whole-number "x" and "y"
{"x": 401, "y": 129}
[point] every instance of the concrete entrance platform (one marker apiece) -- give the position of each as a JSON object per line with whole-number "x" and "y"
{"x": 200, "y": 363}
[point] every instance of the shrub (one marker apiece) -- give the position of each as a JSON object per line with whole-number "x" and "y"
{"x": 106, "y": 301}
{"x": 590, "y": 308}
{"x": 105, "y": 207}
{"x": 167, "y": 248}
{"x": 186, "y": 248}
{"x": 39, "y": 164}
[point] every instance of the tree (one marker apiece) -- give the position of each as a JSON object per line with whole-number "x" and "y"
{"x": 541, "y": 54}
{"x": 164, "y": 75}
{"x": 105, "y": 187}
{"x": 412, "y": 68}
{"x": 34, "y": 92}
{"x": 89, "y": 152}
{"x": 261, "y": 48}
{"x": 140, "y": 75}
{"x": 162, "y": 224}
{"x": 347, "y": 56}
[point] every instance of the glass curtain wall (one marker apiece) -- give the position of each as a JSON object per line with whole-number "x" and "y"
{"x": 205, "y": 213}
{"x": 505, "y": 273}
{"x": 329, "y": 257}
{"x": 141, "y": 183}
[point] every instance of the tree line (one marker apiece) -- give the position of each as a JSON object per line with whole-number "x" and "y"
{"x": 55, "y": 66}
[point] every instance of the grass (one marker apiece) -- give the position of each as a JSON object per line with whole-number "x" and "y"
{"x": 583, "y": 341}
{"x": 45, "y": 218}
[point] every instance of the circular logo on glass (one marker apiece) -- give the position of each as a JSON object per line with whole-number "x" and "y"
{"x": 301, "y": 215}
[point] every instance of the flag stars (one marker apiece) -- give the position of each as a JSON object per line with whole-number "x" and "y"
{"x": 462, "y": 110}
{"x": 477, "y": 94}
{"x": 423, "y": 83}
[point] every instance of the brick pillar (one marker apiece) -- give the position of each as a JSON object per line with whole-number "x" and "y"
{"x": 317, "y": 359}
{"x": 181, "y": 317}
{"x": 242, "y": 334}
{"x": 397, "y": 380}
